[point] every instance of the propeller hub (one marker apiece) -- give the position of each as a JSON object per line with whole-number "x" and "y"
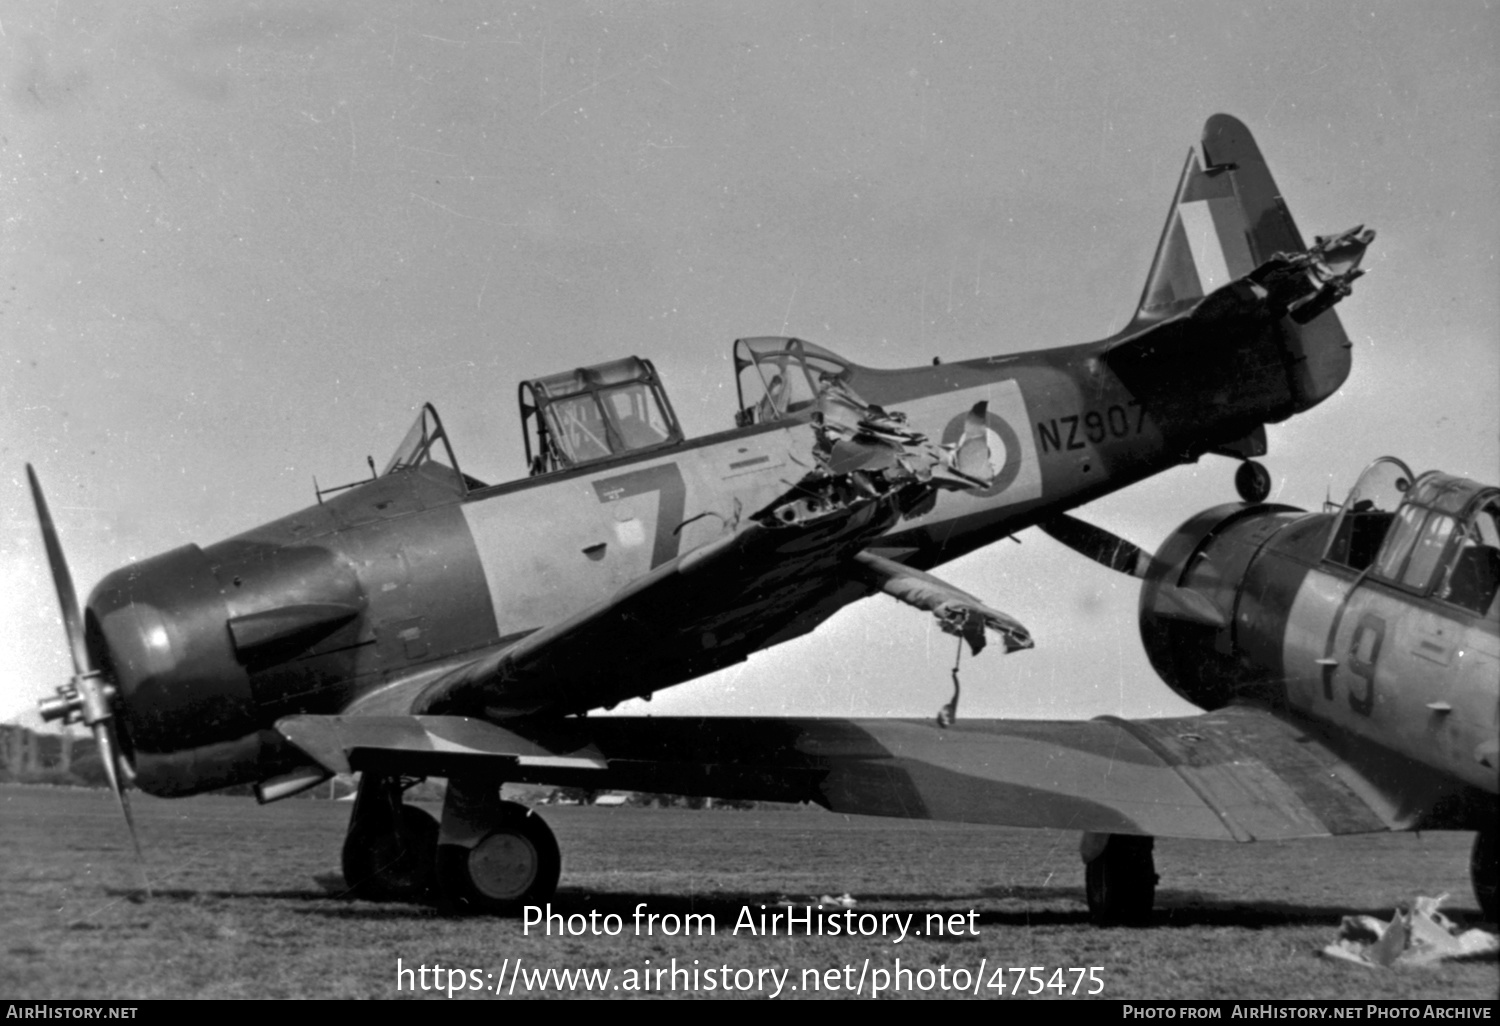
{"x": 86, "y": 699}
{"x": 66, "y": 705}
{"x": 94, "y": 696}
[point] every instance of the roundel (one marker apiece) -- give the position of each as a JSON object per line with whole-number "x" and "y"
{"x": 1005, "y": 451}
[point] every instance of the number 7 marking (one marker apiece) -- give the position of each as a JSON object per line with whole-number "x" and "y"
{"x": 665, "y": 478}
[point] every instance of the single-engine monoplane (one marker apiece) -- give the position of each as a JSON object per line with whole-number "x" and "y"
{"x": 425, "y": 623}
{"x": 1350, "y": 660}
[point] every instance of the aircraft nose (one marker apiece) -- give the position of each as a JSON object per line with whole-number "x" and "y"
{"x": 157, "y": 630}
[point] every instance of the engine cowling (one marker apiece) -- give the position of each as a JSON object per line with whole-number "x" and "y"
{"x": 1216, "y": 596}
{"x": 190, "y": 641}
{"x": 156, "y": 628}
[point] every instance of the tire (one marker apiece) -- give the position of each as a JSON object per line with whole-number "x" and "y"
{"x": 381, "y": 865}
{"x": 515, "y": 864}
{"x": 1484, "y": 872}
{"x": 1120, "y": 883}
{"x": 1253, "y": 482}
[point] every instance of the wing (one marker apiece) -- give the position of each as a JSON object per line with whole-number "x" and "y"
{"x": 1239, "y": 774}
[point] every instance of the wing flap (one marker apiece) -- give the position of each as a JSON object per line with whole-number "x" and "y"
{"x": 1264, "y": 777}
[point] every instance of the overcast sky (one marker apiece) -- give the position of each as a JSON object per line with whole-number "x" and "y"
{"x": 243, "y": 242}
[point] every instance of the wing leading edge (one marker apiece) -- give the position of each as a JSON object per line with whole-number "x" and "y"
{"x": 1238, "y": 774}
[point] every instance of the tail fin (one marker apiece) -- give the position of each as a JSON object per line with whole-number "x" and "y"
{"x": 1226, "y": 220}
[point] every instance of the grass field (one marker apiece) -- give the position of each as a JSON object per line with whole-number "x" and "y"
{"x": 247, "y": 904}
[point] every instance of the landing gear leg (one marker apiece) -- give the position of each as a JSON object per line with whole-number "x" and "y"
{"x": 390, "y": 850}
{"x": 493, "y": 856}
{"x": 1484, "y": 872}
{"x": 1252, "y": 481}
{"x": 1119, "y": 878}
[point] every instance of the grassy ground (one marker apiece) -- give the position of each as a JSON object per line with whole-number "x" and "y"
{"x": 246, "y": 904}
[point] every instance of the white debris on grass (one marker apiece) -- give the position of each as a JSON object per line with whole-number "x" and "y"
{"x": 845, "y": 900}
{"x": 1418, "y": 935}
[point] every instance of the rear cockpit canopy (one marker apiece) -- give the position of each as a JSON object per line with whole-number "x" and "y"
{"x": 779, "y": 377}
{"x": 595, "y": 413}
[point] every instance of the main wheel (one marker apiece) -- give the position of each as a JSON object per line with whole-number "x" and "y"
{"x": 392, "y": 865}
{"x": 1120, "y": 882}
{"x": 1484, "y": 872}
{"x": 516, "y": 863}
{"x": 1252, "y": 481}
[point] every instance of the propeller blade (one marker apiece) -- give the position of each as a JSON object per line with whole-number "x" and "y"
{"x": 1112, "y": 551}
{"x": 109, "y": 755}
{"x": 88, "y": 697}
{"x": 1104, "y": 548}
{"x": 67, "y": 598}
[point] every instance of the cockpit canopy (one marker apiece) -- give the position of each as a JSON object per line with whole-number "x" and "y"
{"x": 778, "y": 377}
{"x": 1435, "y": 535}
{"x": 583, "y": 416}
{"x": 594, "y": 413}
{"x": 424, "y": 450}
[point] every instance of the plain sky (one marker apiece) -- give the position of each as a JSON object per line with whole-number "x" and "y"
{"x": 242, "y": 242}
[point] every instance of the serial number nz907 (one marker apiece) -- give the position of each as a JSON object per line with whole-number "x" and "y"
{"x": 1077, "y": 430}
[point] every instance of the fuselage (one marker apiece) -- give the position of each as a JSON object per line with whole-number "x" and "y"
{"x": 1409, "y": 672}
{"x": 403, "y": 578}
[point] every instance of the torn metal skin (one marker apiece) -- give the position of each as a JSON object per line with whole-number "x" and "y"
{"x": 957, "y": 612}
{"x": 862, "y": 452}
{"x": 1306, "y": 284}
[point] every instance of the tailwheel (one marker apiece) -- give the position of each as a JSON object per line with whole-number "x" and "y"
{"x": 1119, "y": 878}
{"x": 514, "y": 863}
{"x": 1253, "y": 482}
{"x": 390, "y": 851}
{"x": 1484, "y": 872}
